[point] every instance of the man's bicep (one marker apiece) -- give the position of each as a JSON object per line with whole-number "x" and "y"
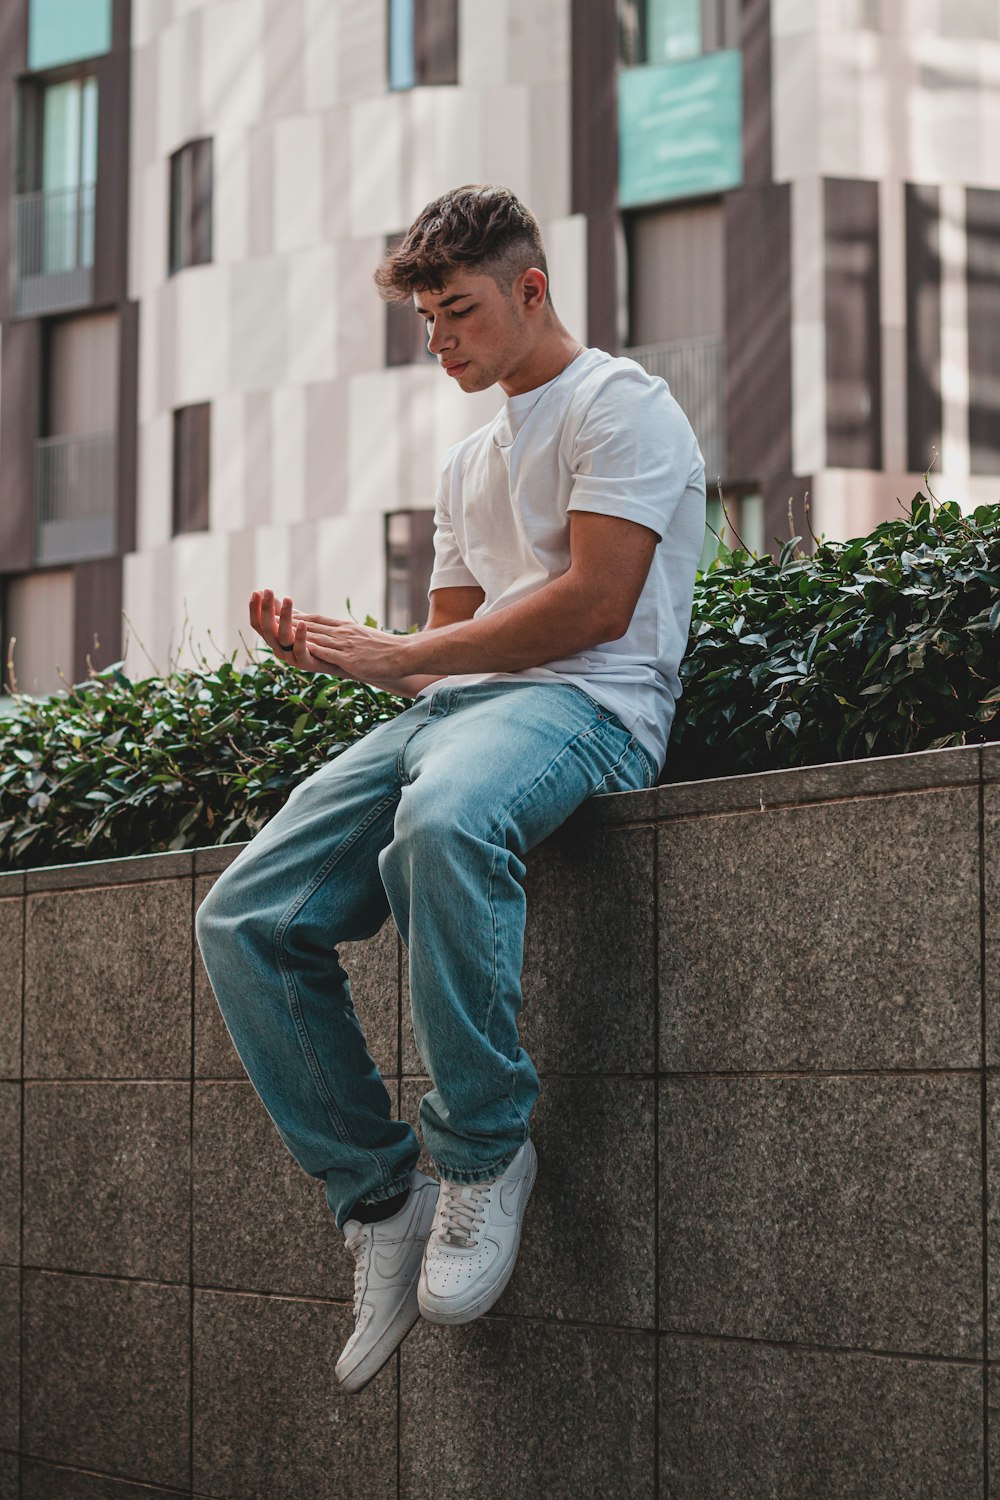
{"x": 611, "y": 558}
{"x": 449, "y": 606}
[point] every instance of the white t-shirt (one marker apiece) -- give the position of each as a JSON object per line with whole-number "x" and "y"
{"x": 602, "y": 436}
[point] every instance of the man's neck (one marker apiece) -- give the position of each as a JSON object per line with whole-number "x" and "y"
{"x": 544, "y": 363}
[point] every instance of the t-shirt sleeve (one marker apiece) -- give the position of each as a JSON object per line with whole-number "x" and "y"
{"x": 634, "y": 454}
{"x": 449, "y": 571}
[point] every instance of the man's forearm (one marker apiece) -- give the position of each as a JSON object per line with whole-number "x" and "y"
{"x": 554, "y": 623}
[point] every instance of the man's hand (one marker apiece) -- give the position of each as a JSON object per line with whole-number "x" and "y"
{"x": 340, "y": 647}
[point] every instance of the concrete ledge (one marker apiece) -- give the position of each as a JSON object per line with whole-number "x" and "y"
{"x": 754, "y": 1260}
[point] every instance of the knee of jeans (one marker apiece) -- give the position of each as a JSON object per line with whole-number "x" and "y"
{"x": 217, "y": 913}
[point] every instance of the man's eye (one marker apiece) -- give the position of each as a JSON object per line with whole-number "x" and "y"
{"x": 464, "y": 313}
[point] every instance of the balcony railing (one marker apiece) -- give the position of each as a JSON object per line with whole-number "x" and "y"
{"x": 76, "y": 497}
{"x": 694, "y": 371}
{"x": 53, "y": 249}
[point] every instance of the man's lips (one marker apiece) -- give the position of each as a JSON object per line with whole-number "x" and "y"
{"x": 456, "y": 367}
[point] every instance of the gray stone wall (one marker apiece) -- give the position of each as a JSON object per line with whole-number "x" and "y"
{"x": 761, "y": 1256}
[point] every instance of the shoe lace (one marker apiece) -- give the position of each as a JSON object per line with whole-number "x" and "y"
{"x": 360, "y": 1246}
{"x": 461, "y": 1211}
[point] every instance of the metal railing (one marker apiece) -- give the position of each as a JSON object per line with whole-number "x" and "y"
{"x": 53, "y": 242}
{"x": 694, "y": 371}
{"x": 75, "y": 497}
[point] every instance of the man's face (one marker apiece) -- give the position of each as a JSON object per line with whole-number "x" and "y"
{"x": 478, "y": 333}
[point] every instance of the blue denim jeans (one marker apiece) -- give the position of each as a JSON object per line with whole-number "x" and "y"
{"x": 428, "y": 817}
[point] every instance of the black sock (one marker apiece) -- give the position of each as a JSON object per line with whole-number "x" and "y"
{"x": 374, "y": 1213}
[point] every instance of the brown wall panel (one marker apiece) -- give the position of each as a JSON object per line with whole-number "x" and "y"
{"x": 127, "y": 451}
{"x": 13, "y": 60}
{"x": 755, "y": 41}
{"x": 97, "y": 612}
{"x": 853, "y": 328}
{"x": 595, "y": 159}
{"x": 923, "y": 326}
{"x": 758, "y": 340}
{"x": 20, "y": 384}
{"x": 111, "y": 208}
{"x": 983, "y": 271}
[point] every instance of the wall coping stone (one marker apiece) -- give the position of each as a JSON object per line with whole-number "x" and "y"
{"x": 923, "y": 770}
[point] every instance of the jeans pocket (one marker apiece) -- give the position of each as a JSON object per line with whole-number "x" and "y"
{"x": 632, "y": 772}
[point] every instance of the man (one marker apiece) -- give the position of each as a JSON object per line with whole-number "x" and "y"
{"x": 567, "y": 532}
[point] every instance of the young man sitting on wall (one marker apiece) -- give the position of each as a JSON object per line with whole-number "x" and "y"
{"x": 567, "y": 532}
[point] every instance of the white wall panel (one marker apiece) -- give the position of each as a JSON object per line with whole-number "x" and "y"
{"x": 198, "y": 589}
{"x": 566, "y": 250}
{"x": 259, "y": 327}
{"x": 796, "y": 118}
{"x": 482, "y": 42}
{"x": 507, "y": 145}
{"x": 203, "y": 313}
{"x": 377, "y": 141}
{"x": 350, "y": 566}
{"x": 322, "y": 37}
{"x": 227, "y": 457}
{"x": 156, "y": 461}
{"x": 373, "y": 428}
{"x": 232, "y": 64}
{"x": 171, "y": 84}
{"x": 288, "y": 455}
{"x": 230, "y": 195}
{"x": 298, "y": 183}
{"x": 550, "y": 169}
{"x": 313, "y": 298}
{"x": 446, "y": 145}
{"x": 148, "y": 17}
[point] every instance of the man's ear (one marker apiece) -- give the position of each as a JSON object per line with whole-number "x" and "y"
{"x": 534, "y": 285}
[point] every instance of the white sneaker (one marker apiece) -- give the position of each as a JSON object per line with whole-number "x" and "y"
{"x": 473, "y": 1242}
{"x": 387, "y": 1266}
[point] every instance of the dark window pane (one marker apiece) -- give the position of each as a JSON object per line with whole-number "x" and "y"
{"x": 191, "y": 205}
{"x": 853, "y": 335}
{"x": 983, "y": 270}
{"x": 409, "y": 561}
{"x": 192, "y": 426}
{"x": 405, "y": 330}
{"x": 435, "y": 41}
{"x": 923, "y": 326}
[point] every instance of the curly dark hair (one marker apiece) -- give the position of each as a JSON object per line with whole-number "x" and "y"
{"x": 484, "y": 228}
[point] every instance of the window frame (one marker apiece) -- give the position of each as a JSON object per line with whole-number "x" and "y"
{"x": 190, "y": 237}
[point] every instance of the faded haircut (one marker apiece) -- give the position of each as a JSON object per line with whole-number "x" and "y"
{"x": 478, "y": 228}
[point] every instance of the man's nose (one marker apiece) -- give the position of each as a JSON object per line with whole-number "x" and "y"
{"x": 438, "y": 339}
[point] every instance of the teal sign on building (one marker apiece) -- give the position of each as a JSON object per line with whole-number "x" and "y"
{"x": 680, "y": 129}
{"x": 64, "y": 31}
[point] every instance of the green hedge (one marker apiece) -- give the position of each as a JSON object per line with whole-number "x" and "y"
{"x": 875, "y": 646}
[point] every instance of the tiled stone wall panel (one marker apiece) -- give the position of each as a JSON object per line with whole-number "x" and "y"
{"x": 47, "y": 1482}
{"x": 595, "y": 1174}
{"x": 270, "y": 1422}
{"x": 108, "y": 989}
{"x": 589, "y": 974}
{"x": 10, "y": 1351}
{"x": 260, "y": 1223}
{"x": 107, "y": 1178}
{"x": 214, "y": 1053}
{"x": 993, "y": 1211}
{"x": 836, "y": 1211}
{"x": 991, "y": 875}
{"x": 11, "y": 974}
{"x": 9, "y": 1481}
{"x": 757, "y": 1422}
{"x": 569, "y": 1409}
{"x": 774, "y": 954}
{"x": 106, "y": 1375}
{"x": 10, "y": 1173}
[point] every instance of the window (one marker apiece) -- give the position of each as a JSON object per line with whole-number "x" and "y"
{"x": 983, "y": 272}
{"x": 739, "y": 522}
{"x": 409, "y": 562}
{"x": 853, "y": 332}
{"x": 405, "y": 330}
{"x": 923, "y": 326}
{"x": 38, "y": 611}
{"x": 76, "y": 482}
{"x": 192, "y": 426}
{"x": 667, "y": 31}
{"x": 54, "y": 211}
{"x": 191, "y": 206}
{"x": 423, "y": 42}
{"x": 62, "y": 31}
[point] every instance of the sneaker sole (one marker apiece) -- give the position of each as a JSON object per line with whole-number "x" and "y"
{"x": 483, "y": 1303}
{"x": 355, "y": 1377}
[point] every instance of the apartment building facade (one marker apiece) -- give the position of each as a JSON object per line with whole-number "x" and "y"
{"x": 788, "y": 208}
